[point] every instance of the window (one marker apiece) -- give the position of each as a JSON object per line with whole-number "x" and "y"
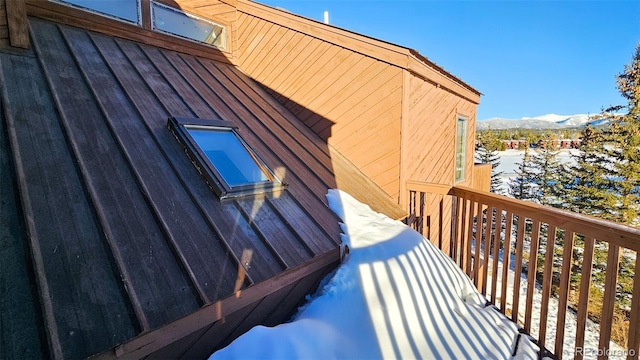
{"x": 461, "y": 147}
{"x": 177, "y": 22}
{"x": 228, "y": 164}
{"x": 128, "y": 10}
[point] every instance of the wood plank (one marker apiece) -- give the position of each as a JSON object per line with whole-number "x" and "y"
{"x": 532, "y": 269}
{"x": 190, "y": 237}
{"x": 634, "y": 319}
{"x": 496, "y": 249}
{"x": 506, "y": 259}
{"x": 237, "y": 234}
{"x": 608, "y": 303}
{"x": 270, "y": 36}
{"x": 583, "y": 297}
{"x": 283, "y": 241}
{"x": 517, "y": 271}
{"x": 547, "y": 281}
{"x": 486, "y": 247}
{"x": 17, "y": 23}
{"x": 72, "y": 263}
{"x": 300, "y": 222}
{"x": 132, "y": 229}
{"x": 268, "y": 60}
{"x": 21, "y": 328}
{"x": 150, "y": 342}
{"x": 473, "y": 211}
{"x": 464, "y": 236}
{"x": 565, "y": 275}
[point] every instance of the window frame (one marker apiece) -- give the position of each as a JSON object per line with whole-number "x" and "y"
{"x": 224, "y": 34}
{"x": 179, "y": 127}
{"x": 137, "y": 23}
{"x": 463, "y": 151}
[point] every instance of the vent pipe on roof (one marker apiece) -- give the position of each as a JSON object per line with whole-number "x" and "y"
{"x": 326, "y": 17}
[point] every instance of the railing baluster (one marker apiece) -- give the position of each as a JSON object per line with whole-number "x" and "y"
{"x": 547, "y": 280}
{"x": 518, "y": 268}
{"x": 610, "y": 282}
{"x": 476, "y": 249}
{"x": 482, "y": 251}
{"x": 455, "y": 229}
{"x": 496, "y": 250}
{"x": 532, "y": 269}
{"x": 564, "y": 290}
{"x": 472, "y": 212}
{"x": 462, "y": 257}
{"x": 583, "y": 299}
{"x": 506, "y": 260}
{"x": 421, "y": 224}
{"x": 634, "y": 320}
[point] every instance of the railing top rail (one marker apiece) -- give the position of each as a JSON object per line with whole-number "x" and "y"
{"x": 619, "y": 234}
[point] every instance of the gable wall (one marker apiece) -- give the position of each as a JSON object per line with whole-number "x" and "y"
{"x": 351, "y": 100}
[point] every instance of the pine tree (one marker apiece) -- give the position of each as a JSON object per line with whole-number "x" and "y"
{"x": 487, "y": 153}
{"x": 523, "y": 187}
{"x": 549, "y": 174}
{"x": 623, "y": 138}
{"x": 588, "y": 188}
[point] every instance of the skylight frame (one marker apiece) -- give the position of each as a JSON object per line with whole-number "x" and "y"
{"x": 223, "y": 46}
{"x": 137, "y": 22}
{"x": 180, "y": 129}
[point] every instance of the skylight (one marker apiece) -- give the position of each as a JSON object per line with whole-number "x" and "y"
{"x": 180, "y": 23}
{"x": 228, "y": 164}
{"x": 128, "y": 10}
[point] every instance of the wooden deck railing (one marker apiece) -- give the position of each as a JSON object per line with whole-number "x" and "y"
{"x": 494, "y": 238}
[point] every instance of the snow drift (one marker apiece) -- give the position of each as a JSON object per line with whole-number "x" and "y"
{"x": 396, "y": 296}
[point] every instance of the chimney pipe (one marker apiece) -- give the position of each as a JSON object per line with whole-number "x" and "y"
{"x": 326, "y": 17}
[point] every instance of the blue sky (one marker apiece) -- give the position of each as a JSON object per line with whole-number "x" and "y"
{"x": 528, "y": 58}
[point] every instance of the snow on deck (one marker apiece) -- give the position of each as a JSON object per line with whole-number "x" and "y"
{"x": 396, "y": 296}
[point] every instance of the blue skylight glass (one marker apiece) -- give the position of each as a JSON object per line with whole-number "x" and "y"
{"x": 228, "y": 155}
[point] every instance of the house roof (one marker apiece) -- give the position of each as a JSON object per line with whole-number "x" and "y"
{"x": 124, "y": 234}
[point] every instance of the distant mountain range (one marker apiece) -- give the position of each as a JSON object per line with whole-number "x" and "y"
{"x": 549, "y": 121}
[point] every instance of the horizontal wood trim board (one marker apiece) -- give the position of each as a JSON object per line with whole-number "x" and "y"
{"x": 74, "y": 17}
{"x": 154, "y": 340}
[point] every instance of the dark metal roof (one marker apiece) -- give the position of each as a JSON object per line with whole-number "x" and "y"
{"x": 123, "y": 232}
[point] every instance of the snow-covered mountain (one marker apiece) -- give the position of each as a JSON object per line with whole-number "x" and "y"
{"x": 549, "y": 121}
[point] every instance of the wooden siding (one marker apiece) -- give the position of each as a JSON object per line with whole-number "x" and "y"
{"x": 429, "y": 142}
{"x": 428, "y": 146}
{"x": 125, "y": 234}
{"x": 349, "y": 99}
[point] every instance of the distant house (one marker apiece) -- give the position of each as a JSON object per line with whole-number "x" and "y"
{"x": 163, "y": 166}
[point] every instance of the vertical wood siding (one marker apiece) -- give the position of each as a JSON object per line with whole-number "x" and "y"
{"x": 351, "y": 100}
